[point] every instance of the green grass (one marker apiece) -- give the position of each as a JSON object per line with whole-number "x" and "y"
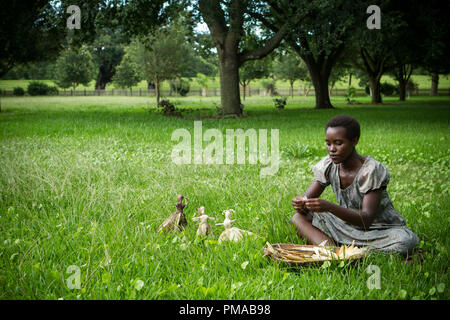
{"x": 86, "y": 181}
{"x": 423, "y": 81}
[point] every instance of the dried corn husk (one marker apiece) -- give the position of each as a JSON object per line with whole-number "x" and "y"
{"x": 294, "y": 253}
{"x": 231, "y": 233}
{"x": 203, "y": 227}
{"x": 177, "y": 220}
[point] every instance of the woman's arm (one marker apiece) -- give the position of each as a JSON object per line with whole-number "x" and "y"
{"x": 314, "y": 190}
{"x": 364, "y": 218}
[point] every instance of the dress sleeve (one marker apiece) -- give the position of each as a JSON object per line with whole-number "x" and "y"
{"x": 321, "y": 171}
{"x": 374, "y": 176}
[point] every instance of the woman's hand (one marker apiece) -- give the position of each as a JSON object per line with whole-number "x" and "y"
{"x": 298, "y": 203}
{"x": 317, "y": 205}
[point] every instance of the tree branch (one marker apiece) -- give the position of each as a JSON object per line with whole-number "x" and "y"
{"x": 264, "y": 21}
{"x": 265, "y": 50}
{"x": 280, "y": 33}
{"x": 365, "y": 58}
{"x": 213, "y": 15}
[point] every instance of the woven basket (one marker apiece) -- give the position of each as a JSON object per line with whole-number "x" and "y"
{"x": 298, "y": 254}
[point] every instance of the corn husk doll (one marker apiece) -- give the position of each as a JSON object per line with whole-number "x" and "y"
{"x": 177, "y": 220}
{"x": 204, "y": 227}
{"x": 231, "y": 233}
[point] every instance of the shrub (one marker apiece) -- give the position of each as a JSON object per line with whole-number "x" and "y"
{"x": 269, "y": 86}
{"x": 351, "y": 92}
{"x": 18, "y": 91}
{"x": 52, "y": 91}
{"x": 180, "y": 86}
{"x": 350, "y": 95}
{"x": 388, "y": 89}
{"x": 297, "y": 150}
{"x": 280, "y": 103}
{"x": 168, "y": 108}
{"x": 37, "y": 88}
{"x": 411, "y": 85}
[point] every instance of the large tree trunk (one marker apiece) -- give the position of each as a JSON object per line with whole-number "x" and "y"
{"x": 434, "y": 84}
{"x": 227, "y": 38}
{"x": 244, "y": 86}
{"x": 105, "y": 75}
{"x": 402, "y": 73}
{"x": 229, "y": 83}
{"x": 374, "y": 66}
{"x": 319, "y": 69}
{"x": 402, "y": 90}
{"x": 320, "y": 83}
{"x": 375, "y": 89}
{"x": 157, "y": 91}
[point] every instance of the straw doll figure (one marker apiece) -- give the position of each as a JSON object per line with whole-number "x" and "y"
{"x": 204, "y": 228}
{"x": 231, "y": 233}
{"x": 177, "y": 220}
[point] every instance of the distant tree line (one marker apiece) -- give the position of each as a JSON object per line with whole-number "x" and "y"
{"x": 317, "y": 41}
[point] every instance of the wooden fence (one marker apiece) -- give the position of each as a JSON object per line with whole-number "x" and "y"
{"x": 216, "y": 92}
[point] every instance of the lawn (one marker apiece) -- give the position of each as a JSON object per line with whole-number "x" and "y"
{"x": 423, "y": 81}
{"x": 86, "y": 181}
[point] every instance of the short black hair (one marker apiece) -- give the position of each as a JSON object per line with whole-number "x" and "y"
{"x": 350, "y": 124}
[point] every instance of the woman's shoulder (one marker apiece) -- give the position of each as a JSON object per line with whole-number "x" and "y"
{"x": 322, "y": 169}
{"x": 373, "y": 175}
{"x": 371, "y": 165}
{"x": 324, "y": 162}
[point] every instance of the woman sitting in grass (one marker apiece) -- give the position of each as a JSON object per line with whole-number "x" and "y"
{"x": 364, "y": 213}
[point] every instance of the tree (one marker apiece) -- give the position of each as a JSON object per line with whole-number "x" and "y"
{"x": 74, "y": 67}
{"x": 127, "y": 18}
{"x": 254, "y": 69}
{"x": 126, "y": 74}
{"x": 374, "y": 56}
{"x": 107, "y": 52}
{"x": 225, "y": 21}
{"x": 161, "y": 55}
{"x": 341, "y": 69}
{"x": 433, "y": 20}
{"x": 391, "y": 49}
{"x": 402, "y": 73}
{"x": 196, "y": 64}
{"x": 407, "y": 52}
{"x": 290, "y": 67}
{"x": 31, "y": 70}
{"x": 28, "y": 32}
{"x": 203, "y": 82}
{"x": 37, "y": 30}
{"x": 205, "y": 50}
{"x": 320, "y": 37}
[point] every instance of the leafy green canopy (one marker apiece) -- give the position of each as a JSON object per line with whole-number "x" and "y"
{"x": 74, "y": 67}
{"x": 126, "y": 73}
{"x": 29, "y": 32}
{"x": 160, "y": 55}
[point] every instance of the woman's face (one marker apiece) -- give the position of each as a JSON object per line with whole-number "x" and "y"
{"x": 339, "y": 147}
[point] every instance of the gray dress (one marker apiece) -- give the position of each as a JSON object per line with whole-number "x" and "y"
{"x": 388, "y": 231}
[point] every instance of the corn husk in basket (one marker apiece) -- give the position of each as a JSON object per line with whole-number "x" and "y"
{"x": 303, "y": 254}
